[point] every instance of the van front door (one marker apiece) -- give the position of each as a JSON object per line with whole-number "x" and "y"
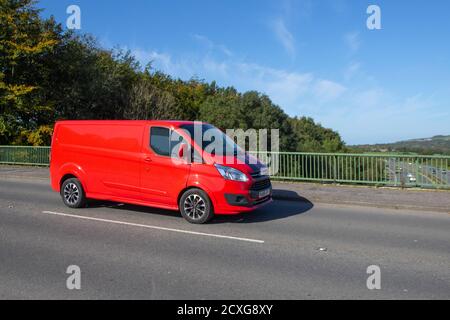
{"x": 163, "y": 173}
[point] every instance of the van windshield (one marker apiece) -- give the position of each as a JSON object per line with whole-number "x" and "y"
{"x": 212, "y": 140}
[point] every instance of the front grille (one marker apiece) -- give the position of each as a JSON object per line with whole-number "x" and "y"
{"x": 261, "y": 184}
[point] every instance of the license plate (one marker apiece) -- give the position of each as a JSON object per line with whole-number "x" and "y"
{"x": 263, "y": 193}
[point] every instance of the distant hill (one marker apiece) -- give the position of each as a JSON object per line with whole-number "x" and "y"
{"x": 434, "y": 145}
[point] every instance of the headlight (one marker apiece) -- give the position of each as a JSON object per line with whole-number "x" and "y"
{"x": 231, "y": 173}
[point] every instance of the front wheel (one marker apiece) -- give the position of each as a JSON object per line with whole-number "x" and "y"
{"x": 72, "y": 193}
{"x": 196, "y": 207}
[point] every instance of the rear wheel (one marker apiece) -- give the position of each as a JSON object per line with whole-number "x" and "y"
{"x": 72, "y": 193}
{"x": 196, "y": 207}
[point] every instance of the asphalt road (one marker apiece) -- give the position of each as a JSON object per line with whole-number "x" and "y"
{"x": 131, "y": 252}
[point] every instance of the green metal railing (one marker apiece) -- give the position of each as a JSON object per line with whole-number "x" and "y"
{"x": 366, "y": 169}
{"x": 36, "y": 156}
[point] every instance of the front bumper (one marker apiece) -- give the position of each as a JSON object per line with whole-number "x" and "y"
{"x": 250, "y": 200}
{"x": 258, "y": 194}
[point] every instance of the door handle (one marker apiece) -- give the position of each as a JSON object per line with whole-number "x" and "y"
{"x": 148, "y": 159}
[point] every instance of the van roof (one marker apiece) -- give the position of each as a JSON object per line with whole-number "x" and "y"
{"x": 174, "y": 123}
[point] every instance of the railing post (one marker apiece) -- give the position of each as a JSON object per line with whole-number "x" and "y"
{"x": 417, "y": 171}
{"x": 334, "y": 169}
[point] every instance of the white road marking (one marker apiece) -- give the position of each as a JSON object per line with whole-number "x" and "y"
{"x": 152, "y": 227}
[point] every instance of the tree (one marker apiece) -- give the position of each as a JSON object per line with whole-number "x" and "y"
{"x": 224, "y": 109}
{"x": 88, "y": 82}
{"x": 312, "y": 137}
{"x": 262, "y": 113}
{"x": 147, "y": 101}
{"x": 25, "y": 41}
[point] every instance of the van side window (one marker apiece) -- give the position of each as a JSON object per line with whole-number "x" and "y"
{"x": 160, "y": 140}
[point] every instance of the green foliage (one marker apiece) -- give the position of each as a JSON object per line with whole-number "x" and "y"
{"x": 89, "y": 82}
{"x": 147, "y": 101}
{"x": 42, "y": 136}
{"x": 229, "y": 109}
{"x": 25, "y": 42}
{"x": 224, "y": 109}
{"x": 48, "y": 74}
{"x": 312, "y": 137}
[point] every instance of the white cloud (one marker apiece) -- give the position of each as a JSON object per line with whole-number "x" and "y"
{"x": 161, "y": 61}
{"x": 297, "y": 93}
{"x": 353, "y": 41}
{"x": 214, "y": 67}
{"x": 284, "y": 36}
{"x": 369, "y": 98}
{"x": 376, "y": 115}
{"x": 211, "y": 45}
{"x": 327, "y": 90}
{"x": 286, "y": 88}
{"x": 352, "y": 70}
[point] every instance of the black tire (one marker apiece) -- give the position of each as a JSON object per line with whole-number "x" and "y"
{"x": 72, "y": 193}
{"x": 195, "y": 206}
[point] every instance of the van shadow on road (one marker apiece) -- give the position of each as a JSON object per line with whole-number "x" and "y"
{"x": 278, "y": 209}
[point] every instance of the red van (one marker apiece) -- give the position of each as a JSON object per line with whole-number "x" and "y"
{"x": 156, "y": 163}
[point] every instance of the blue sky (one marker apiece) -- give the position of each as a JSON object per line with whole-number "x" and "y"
{"x": 312, "y": 57}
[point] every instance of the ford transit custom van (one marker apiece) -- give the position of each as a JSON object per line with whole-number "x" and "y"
{"x": 158, "y": 164}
